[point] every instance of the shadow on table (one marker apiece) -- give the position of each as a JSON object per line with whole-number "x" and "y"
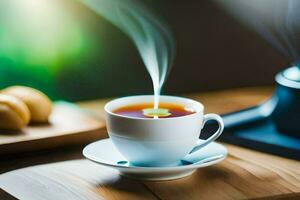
{"x": 182, "y": 188}
{"x": 199, "y": 185}
{"x": 5, "y": 196}
{"x": 125, "y": 188}
{"x": 15, "y": 161}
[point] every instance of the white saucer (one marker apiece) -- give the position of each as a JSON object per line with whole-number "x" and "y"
{"x": 104, "y": 153}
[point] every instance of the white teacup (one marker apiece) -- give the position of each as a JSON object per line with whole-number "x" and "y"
{"x": 158, "y": 142}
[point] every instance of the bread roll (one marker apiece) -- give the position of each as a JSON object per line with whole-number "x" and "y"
{"x": 14, "y": 114}
{"x": 39, "y": 105}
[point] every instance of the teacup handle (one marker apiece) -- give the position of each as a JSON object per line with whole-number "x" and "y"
{"x": 212, "y": 138}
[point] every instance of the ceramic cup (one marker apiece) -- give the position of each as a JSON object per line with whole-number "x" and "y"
{"x": 158, "y": 142}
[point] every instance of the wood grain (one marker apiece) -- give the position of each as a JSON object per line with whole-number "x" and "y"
{"x": 68, "y": 125}
{"x": 245, "y": 174}
{"x": 238, "y": 177}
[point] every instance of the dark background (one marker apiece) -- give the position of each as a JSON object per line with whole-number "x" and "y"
{"x": 214, "y": 51}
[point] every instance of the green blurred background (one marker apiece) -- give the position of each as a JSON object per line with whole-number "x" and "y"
{"x": 66, "y": 50}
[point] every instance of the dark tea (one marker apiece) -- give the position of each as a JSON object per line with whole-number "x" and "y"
{"x": 146, "y": 110}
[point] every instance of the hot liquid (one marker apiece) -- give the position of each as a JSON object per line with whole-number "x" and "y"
{"x": 138, "y": 110}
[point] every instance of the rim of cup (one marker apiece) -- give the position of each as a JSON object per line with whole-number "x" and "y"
{"x": 198, "y": 107}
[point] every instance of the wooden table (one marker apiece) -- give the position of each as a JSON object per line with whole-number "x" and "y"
{"x": 245, "y": 174}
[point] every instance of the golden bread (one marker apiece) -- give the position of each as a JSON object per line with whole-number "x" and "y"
{"x": 14, "y": 114}
{"x": 39, "y": 105}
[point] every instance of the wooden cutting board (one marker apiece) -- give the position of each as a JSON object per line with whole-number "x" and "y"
{"x": 68, "y": 125}
{"x": 244, "y": 174}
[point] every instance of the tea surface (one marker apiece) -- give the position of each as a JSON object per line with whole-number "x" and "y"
{"x": 145, "y": 110}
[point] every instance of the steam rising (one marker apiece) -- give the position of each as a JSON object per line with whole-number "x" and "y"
{"x": 277, "y": 21}
{"x": 152, "y": 38}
